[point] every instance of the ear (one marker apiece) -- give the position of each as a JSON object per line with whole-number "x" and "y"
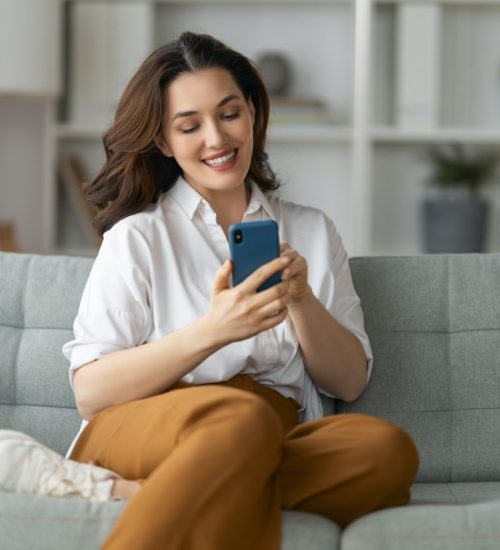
{"x": 252, "y": 109}
{"x": 162, "y": 146}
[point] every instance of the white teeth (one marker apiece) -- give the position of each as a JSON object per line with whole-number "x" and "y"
{"x": 221, "y": 160}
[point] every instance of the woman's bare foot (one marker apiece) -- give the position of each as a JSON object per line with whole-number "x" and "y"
{"x": 124, "y": 489}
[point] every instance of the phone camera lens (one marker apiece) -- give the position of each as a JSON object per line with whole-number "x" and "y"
{"x": 238, "y": 237}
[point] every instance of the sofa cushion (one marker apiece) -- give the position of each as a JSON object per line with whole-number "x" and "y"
{"x": 424, "y": 527}
{"x": 434, "y": 325}
{"x": 44, "y": 523}
{"x": 455, "y": 493}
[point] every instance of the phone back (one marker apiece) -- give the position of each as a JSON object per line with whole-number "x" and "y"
{"x": 253, "y": 244}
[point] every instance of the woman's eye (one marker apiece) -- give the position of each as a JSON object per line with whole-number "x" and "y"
{"x": 231, "y": 116}
{"x": 188, "y": 130}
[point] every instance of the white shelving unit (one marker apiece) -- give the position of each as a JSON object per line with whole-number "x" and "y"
{"x": 467, "y": 53}
{"x": 364, "y": 170}
{"x": 29, "y": 84}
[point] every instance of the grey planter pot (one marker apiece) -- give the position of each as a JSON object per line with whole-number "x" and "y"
{"x": 455, "y": 225}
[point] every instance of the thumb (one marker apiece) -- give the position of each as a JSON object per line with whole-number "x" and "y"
{"x": 221, "y": 280}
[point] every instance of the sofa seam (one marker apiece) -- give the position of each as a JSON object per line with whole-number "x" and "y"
{"x": 37, "y": 405}
{"x": 19, "y": 343}
{"x": 41, "y": 328}
{"x": 23, "y": 298}
{"x": 391, "y": 331}
{"x": 450, "y": 374}
{"x": 58, "y": 519}
{"x": 436, "y": 410}
{"x": 452, "y": 494}
{"x": 357, "y": 538}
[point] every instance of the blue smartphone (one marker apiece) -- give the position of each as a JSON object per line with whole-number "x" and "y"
{"x": 253, "y": 244}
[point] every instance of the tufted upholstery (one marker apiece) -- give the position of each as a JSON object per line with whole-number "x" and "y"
{"x": 39, "y": 297}
{"x": 434, "y": 324}
{"x": 433, "y": 321}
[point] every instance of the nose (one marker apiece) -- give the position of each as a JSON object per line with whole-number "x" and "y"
{"x": 215, "y": 138}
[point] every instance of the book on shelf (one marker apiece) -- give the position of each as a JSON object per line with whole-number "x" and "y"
{"x": 8, "y": 241}
{"x": 73, "y": 185}
{"x": 298, "y": 110}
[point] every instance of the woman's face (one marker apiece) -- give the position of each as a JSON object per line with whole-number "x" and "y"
{"x": 208, "y": 129}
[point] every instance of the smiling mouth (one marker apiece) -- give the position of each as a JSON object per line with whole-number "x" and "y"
{"x": 222, "y": 160}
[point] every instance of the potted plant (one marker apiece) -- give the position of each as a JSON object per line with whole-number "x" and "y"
{"x": 455, "y": 219}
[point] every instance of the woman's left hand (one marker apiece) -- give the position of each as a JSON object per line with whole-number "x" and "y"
{"x": 295, "y": 274}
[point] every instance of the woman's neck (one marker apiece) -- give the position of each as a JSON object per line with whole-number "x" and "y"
{"x": 232, "y": 211}
{"x": 229, "y": 206}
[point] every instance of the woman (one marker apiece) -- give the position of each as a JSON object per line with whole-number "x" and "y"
{"x": 206, "y": 397}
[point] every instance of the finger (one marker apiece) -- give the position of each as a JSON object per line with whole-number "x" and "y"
{"x": 253, "y": 281}
{"x": 290, "y": 253}
{"x": 285, "y": 246}
{"x": 265, "y": 297}
{"x": 292, "y": 269}
{"x": 296, "y": 267}
{"x": 221, "y": 279}
{"x": 272, "y": 321}
{"x": 274, "y": 307}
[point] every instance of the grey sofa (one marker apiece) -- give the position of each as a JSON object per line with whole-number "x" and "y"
{"x": 434, "y": 323}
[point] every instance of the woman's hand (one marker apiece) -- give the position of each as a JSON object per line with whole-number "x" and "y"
{"x": 295, "y": 274}
{"x": 241, "y": 312}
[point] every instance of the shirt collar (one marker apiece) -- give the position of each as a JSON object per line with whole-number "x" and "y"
{"x": 258, "y": 200}
{"x": 187, "y": 198}
{"x": 190, "y": 200}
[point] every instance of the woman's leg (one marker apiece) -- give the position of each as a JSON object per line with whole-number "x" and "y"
{"x": 345, "y": 466}
{"x": 208, "y": 455}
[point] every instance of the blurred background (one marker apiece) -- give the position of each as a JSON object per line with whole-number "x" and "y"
{"x": 384, "y": 113}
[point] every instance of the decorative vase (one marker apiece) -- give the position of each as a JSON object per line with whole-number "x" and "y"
{"x": 275, "y": 70}
{"x": 456, "y": 225}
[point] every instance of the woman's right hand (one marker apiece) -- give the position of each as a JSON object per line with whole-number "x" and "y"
{"x": 240, "y": 312}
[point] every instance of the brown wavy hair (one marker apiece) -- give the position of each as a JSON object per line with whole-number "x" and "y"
{"x": 135, "y": 172}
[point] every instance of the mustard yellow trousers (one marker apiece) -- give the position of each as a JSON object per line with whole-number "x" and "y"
{"x": 219, "y": 461}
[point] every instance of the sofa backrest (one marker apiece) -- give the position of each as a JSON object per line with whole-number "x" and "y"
{"x": 39, "y": 298}
{"x": 434, "y": 325}
{"x": 433, "y": 321}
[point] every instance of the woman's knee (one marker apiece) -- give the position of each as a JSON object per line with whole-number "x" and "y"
{"x": 392, "y": 454}
{"x": 254, "y": 417}
{"x": 248, "y": 420}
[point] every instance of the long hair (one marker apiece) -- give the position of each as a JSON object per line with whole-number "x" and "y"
{"x": 135, "y": 172}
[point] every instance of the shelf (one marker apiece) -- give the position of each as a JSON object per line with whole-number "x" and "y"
{"x": 472, "y": 3}
{"x": 312, "y": 133}
{"x": 252, "y": 2}
{"x": 329, "y": 133}
{"x": 391, "y": 134}
{"x": 78, "y": 131}
{"x": 278, "y": 133}
{"x": 322, "y": 2}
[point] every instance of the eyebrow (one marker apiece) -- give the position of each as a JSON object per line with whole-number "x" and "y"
{"x": 220, "y": 104}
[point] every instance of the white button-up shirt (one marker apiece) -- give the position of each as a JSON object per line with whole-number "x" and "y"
{"x": 154, "y": 272}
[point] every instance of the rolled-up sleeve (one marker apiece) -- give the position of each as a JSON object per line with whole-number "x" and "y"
{"x": 342, "y": 301}
{"x": 114, "y": 312}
